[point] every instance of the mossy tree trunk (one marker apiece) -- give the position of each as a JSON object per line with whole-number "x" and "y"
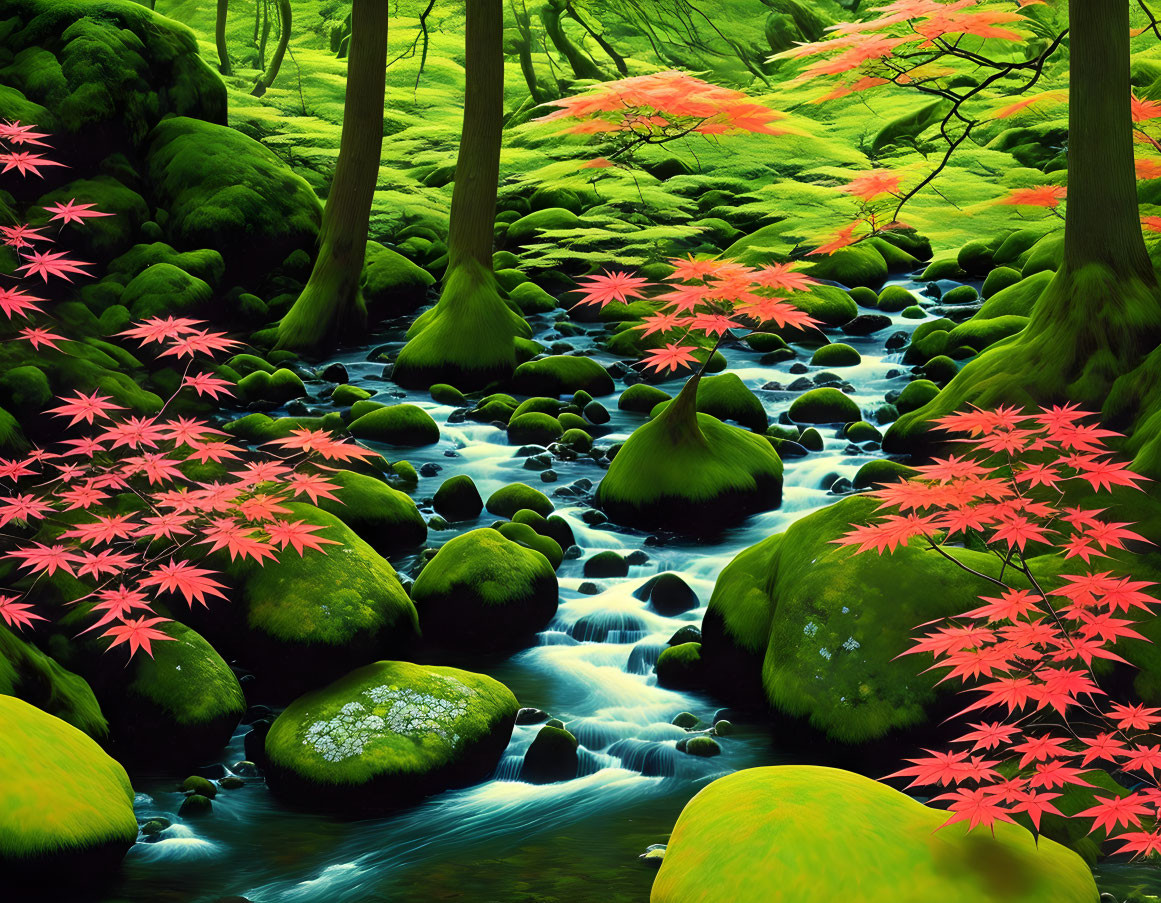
{"x": 271, "y": 73}
{"x": 220, "y": 38}
{"x": 468, "y": 338}
{"x": 581, "y": 64}
{"x": 1101, "y": 314}
{"x": 331, "y": 305}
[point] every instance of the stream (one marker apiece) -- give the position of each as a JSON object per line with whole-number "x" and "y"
{"x": 505, "y": 840}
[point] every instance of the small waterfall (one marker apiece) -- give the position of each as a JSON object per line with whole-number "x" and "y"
{"x": 643, "y": 657}
{"x": 653, "y": 760}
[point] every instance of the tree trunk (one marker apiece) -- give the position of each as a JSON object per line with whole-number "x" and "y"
{"x": 265, "y": 34}
{"x": 220, "y": 38}
{"x": 609, "y": 49}
{"x": 582, "y": 66}
{"x": 523, "y": 46}
{"x": 331, "y": 305}
{"x": 1100, "y": 316}
{"x": 468, "y": 338}
{"x": 271, "y": 73}
{"x": 473, "y": 207}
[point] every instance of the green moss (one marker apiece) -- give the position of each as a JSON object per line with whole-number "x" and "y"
{"x": 530, "y": 539}
{"x": 979, "y": 334}
{"x": 102, "y": 237}
{"x": 1046, "y": 254}
{"x": 824, "y": 405}
{"x": 345, "y": 395}
{"x": 534, "y": 429}
{"x": 836, "y": 355}
{"x": 484, "y": 591}
{"x": 527, "y": 228}
{"x": 894, "y": 298}
{"x": 860, "y": 264}
{"x": 29, "y": 674}
{"x": 279, "y": 386}
{"x": 606, "y": 564}
{"x": 704, "y": 747}
{"x": 206, "y": 265}
{"x": 1018, "y": 299}
{"x": 445, "y": 394}
{"x": 824, "y": 626}
{"x": 862, "y": 431}
{"x": 961, "y": 294}
{"x": 943, "y": 268}
{"x": 25, "y": 390}
{"x": 391, "y": 284}
{"x": 726, "y": 397}
{"x": 223, "y": 189}
{"x": 562, "y": 375}
{"x": 881, "y": 470}
{"x": 308, "y": 618}
{"x": 769, "y": 834}
{"x": 532, "y": 299}
{"x": 397, "y": 424}
{"x": 577, "y": 439}
{"x": 811, "y": 439}
{"x": 690, "y": 471}
{"x": 458, "y": 498}
{"x": 385, "y": 518}
{"x": 507, "y": 500}
{"x": 999, "y": 279}
{"x": 388, "y": 734}
{"x": 916, "y": 394}
{"x": 164, "y": 290}
{"x": 538, "y": 405}
{"x": 642, "y": 398}
{"x": 551, "y": 757}
{"x": 62, "y": 796}
{"x": 468, "y": 338}
{"x": 680, "y": 667}
{"x": 914, "y": 312}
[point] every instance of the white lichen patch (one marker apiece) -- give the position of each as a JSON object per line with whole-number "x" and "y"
{"x": 390, "y": 709}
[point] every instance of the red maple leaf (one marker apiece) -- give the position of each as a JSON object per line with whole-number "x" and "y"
{"x": 86, "y": 408}
{"x": 72, "y": 212}
{"x": 192, "y": 582}
{"x": 138, "y": 633}
{"x": 297, "y": 534}
{"x": 670, "y": 357}
{"x": 52, "y": 263}
{"x": 610, "y": 286}
{"x": 17, "y": 614}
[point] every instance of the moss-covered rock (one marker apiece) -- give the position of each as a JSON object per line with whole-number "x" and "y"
{"x": 881, "y": 470}
{"x": 458, "y": 499}
{"x": 562, "y": 375}
{"x": 391, "y": 284}
{"x": 894, "y": 298}
{"x": 667, "y": 594}
{"x": 29, "y": 674}
{"x": 836, "y": 354}
{"x": 534, "y": 428}
{"x": 345, "y": 395}
{"x": 726, "y": 397}
{"x": 25, "y": 390}
{"x": 484, "y": 591}
{"x": 999, "y": 279}
{"x": 532, "y": 299}
{"x": 1016, "y": 300}
{"x": 961, "y": 294}
{"x": 279, "y": 386}
{"x": 204, "y": 264}
{"x": 223, "y": 189}
{"x": 552, "y": 757}
{"x": 824, "y": 405}
{"x": 860, "y": 264}
{"x": 103, "y": 237}
{"x": 527, "y": 228}
{"x": 164, "y": 290}
{"x": 445, "y": 394}
{"x": 307, "y": 619}
{"x": 817, "y": 629}
{"x": 606, "y": 564}
{"x": 769, "y": 835}
{"x": 690, "y": 472}
{"x": 385, "y": 518}
{"x": 916, "y": 394}
{"x": 507, "y": 500}
{"x": 178, "y": 706}
{"x": 64, "y": 803}
{"x": 680, "y": 667}
{"x": 397, "y": 424}
{"x": 388, "y": 734}
{"x": 979, "y": 334}
{"x": 530, "y": 539}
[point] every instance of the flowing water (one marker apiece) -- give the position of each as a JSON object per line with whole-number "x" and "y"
{"x": 504, "y": 840}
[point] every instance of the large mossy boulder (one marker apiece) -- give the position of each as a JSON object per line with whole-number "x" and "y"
{"x": 388, "y": 734}
{"x": 824, "y": 405}
{"x": 817, "y": 630}
{"x": 384, "y": 517}
{"x": 562, "y": 375}
{"x": 690, "y": 472}
{"x": 305, "y": 620}
{"x": 204, "y": 264}
{"x": 397, "y": 424}
{"x": 807, "y": 834}
{"x": 165, "y": 290}
{"x": 106, "y": 71}
{"x": 177, "y": 706}
{"x": 392, "y": 285}
{"x": 483, "y": 591}
{"x": 224, "y": 190}
{"x": 29, "y": 674}
{"x": 103, "y": 237}
{"x": 726, "y": 397}
{"x": 857, "y": 265}
{"x": 66, "y": 807}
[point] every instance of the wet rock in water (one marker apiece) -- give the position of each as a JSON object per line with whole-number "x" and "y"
{"x": 770, "y": 835}
{"x": 548, "y": 476}
{"x": 680, "y": 667}
{"x": 231, "y": 782}
{"x": 723, "y": 728}
{"x": 573, "y": 552}
{"x": 840, "y": 486}
{"x": 253, "y": 744}
{"x": 562, "y": 375}
{"x": 667, "y": 594}
{"x": 642, "y": 398}
{"x": 387, "y": 735}
{"x": 787, "y": 448}
{"x": 686, "y": 720}
{"x": 437, "y": 524}
{"x": 654, "y": 855}
{"x": 772, "y": 387}
{"x": 592, "y": 517}
{"x": 531, "y": 716}
{"x": 484, "y": 591}
{"x": 195, "y": 784}
{"x": 334, "y": 373}
{"x": 704, "y": 747}
{"x": 836, "y": 354}
{"x": 606, "y": 564}
{"x": 690, "y": 633}
{"x": 897, "y": 341}
{"x": 155, "y": 826}
{"x": 540, "y": 462}
{"x": 445, "y": 394}
{"x": 397, "y": 424}
{"x": 799, "y": 368}
{"x": 801, "y": 384}
{"x": 588, "y": 588}
{"x": 826, "y": 405}
{"x": 866, "y": 324}
{"x": 555, "y": 722}
{"x": 636, "y": 558}
{"x": 811, "y": 439}
{"x": 196, "y": 806}
{"x": 430, "y": 469}
{"x": 508, "y": 500}
{"x": 552, "y": 757}
{"x": 245, "y": 768}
